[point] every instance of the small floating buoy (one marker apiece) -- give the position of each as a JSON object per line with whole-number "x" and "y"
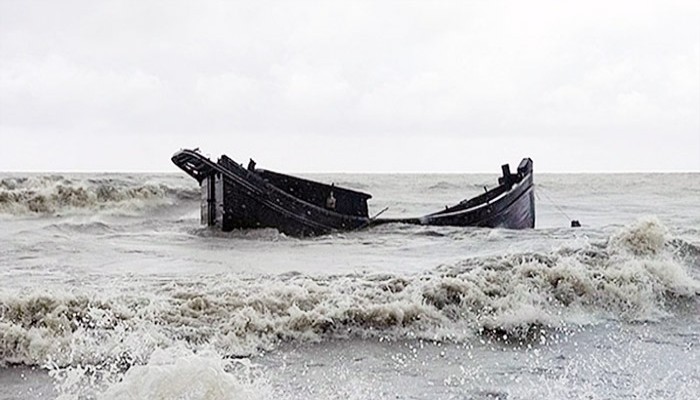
{"x": 575, "y": 223}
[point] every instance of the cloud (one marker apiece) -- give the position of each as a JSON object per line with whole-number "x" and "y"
{"x": 451, "y": 71}
{"x": 55, "y": 93}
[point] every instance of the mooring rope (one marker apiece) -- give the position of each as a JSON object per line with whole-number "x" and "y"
{"x": 539, "y": 190}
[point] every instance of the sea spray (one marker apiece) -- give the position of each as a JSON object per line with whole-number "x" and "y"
{"x": 646, "y": 237}
{"x": 51, "y": 194}
{"x": 174, "y": 373}
{"x": 94, "y": 292}
{"x": 66, "y": 329}
{"x": 513, "y": 295}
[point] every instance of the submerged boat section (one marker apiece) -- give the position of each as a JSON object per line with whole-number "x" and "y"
{"x": 237, "y": 197}
{"x": 509, "y": 205}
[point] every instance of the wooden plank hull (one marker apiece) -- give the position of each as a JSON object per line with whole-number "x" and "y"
{"x": 511, "y": 205}
{"x": 248, "y": 201}
{"x": 234, "y": 197}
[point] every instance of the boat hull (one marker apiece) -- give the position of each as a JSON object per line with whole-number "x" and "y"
{"x": 238, "y": 198}
{"x": 234, "y": 197}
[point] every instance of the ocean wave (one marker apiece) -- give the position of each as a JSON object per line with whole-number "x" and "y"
{"x": 636, "y": 275}
{"x": 169, "y": 374}
{"x": 94, "y": 227}
{"x": 51, "y": 194}
{"x": 442, "y": 185}
{"x": 262, "y": 234}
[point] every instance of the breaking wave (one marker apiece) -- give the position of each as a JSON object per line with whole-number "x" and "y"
{"x": 635, "y": 275}
{"x": 171, "y": 374}
{"x": 51, "y": 194}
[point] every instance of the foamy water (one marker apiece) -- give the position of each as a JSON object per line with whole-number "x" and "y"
{"x": 112, "y": 290}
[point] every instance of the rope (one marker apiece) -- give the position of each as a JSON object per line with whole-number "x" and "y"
{"x": 539, "y": 190}
{"x": 379, "y": 213}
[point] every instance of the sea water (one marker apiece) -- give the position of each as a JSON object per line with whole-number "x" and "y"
{"x": 111, "y": 289}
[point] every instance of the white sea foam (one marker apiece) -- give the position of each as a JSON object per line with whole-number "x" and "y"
{"x": 174, "y": 373}
{"x": 64, "y": 329}
{"x": 114, "y": 305}
{"x": 514, "y": 295}
{"x": 646, "y": 237}
{"x": 50, "y": 194}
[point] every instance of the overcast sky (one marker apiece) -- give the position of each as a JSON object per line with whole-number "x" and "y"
{"x": 373, "y": 86}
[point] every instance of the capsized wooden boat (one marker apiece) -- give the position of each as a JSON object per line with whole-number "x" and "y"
{"x": 234, "y": 197}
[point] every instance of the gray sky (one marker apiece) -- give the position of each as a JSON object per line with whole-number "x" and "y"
{"x": 356, "y": 86}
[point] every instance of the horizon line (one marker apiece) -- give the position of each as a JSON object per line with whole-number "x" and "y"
{"x": 495, "y": 171}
